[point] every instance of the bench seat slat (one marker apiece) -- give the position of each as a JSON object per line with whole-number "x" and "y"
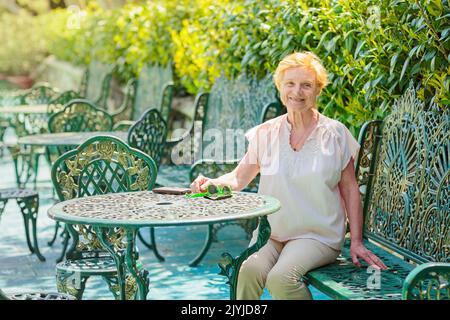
{"x": 342, "y": 280}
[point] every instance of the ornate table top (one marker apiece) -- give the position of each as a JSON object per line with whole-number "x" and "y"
{"x": 66, "y": 138}
{"x": 37, "y": 108}
{"x": 14, "y": 193}
{"x": 144, "y": 208}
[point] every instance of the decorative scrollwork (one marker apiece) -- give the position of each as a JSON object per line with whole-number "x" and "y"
{"x": 80, "y": 116}
{"x": 149, "y": 134}
{"x": 229, "y": 266}
{"x": 409, "y": 200}
{"x": 430, "y": 281}
{"x": 103, "y": 164}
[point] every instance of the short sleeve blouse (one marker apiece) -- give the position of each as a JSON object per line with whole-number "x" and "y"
{"x": 305, "y": 181}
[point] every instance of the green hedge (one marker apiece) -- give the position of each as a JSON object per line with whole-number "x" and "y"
{"x": 372, "y": 48}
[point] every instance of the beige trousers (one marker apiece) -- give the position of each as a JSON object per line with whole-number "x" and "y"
{"x": 280, "y": 266}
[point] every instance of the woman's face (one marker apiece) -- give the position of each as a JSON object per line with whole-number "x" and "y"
{"x": 299, "y": 89}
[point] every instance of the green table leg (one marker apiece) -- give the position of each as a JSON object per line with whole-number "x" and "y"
{"x": 230, "y": 266}
{"x": 206, "y": 246}
{"x": 126, "y": 260}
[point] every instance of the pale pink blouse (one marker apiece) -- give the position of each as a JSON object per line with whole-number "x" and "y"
{"x": 305, "y": 181}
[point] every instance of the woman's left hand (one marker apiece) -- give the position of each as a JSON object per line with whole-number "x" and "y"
{"x": 358, "y": 250}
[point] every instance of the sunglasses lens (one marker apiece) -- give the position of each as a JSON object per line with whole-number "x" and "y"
{"x": 226, "y": 190}
{"x": 212, "y": 189}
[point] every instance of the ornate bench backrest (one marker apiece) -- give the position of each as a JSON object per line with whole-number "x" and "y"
{"x": 96, "y": 83}
{"x": 407, "y": 203}
{"x": 237, "y": 105}
{"x": 154, "y": 89}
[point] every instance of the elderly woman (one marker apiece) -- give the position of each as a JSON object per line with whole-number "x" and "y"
{"x": 306, "y": 160}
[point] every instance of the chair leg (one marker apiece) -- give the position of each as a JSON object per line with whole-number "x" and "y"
{"x": 29, "y": 207}
{"x": 130, "y": 286}
{"x": 152, "y": 244}
{"x": 35, "y": 165}
{"x": 55, "y": 234}
{"x": 72, "y": 283}
{"x": 2, "y": 207}
{"x": 23, "y": 166}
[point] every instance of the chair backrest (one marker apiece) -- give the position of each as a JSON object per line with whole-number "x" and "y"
{"x": 96, "y": 83}
{"x": 148, "y": 134}
{"x": 27, "y": 124}
{"x": 154, "y": 89}
{"x": 80, "y": 115}
{"x": 39, "y": 95}
{"x": 101, "y": 165}
{"x": 60, "y": 101}
{"x": 235, "y": 106}
{"x": 404, "y": 173}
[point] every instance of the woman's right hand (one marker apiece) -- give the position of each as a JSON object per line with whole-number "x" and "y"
{"x": 198, "y": 184}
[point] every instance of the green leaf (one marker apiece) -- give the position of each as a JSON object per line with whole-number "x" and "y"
{"x": 322, "y": 39}
{"x": 393, "y": 62}
{"x": 405, "y": 65}
{"x": 358, "y": 48}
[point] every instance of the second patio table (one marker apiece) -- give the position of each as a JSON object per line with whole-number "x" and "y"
{"x": 63, "y": 139}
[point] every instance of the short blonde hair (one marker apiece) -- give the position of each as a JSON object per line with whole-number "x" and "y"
{"x": 304, "y": 59}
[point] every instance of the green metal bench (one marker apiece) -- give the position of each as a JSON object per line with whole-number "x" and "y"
{"x": 101, "y": 165}
{"x": 153, "y": 89}
{"x": 403, "y": 170}
{"x": 96, "y": 83}
{"x": 233, "y": 106}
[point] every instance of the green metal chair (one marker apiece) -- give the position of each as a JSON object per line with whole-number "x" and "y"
{"x": 60, "y": 101}
{"x": 28, "y": 202}
{"x": 79, "y": 115}
{"x": 153, "y": 89}
{"x": 26, "y": 159}
{"x": 101, "y": 165}
{"x": 148, "y": 134}
{"x": 40, "y": 93}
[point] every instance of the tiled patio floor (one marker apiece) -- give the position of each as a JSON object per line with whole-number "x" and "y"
{"x": 172, "y": 279}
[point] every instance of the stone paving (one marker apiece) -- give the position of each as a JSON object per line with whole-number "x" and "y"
{"x": 172, "y": 279}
